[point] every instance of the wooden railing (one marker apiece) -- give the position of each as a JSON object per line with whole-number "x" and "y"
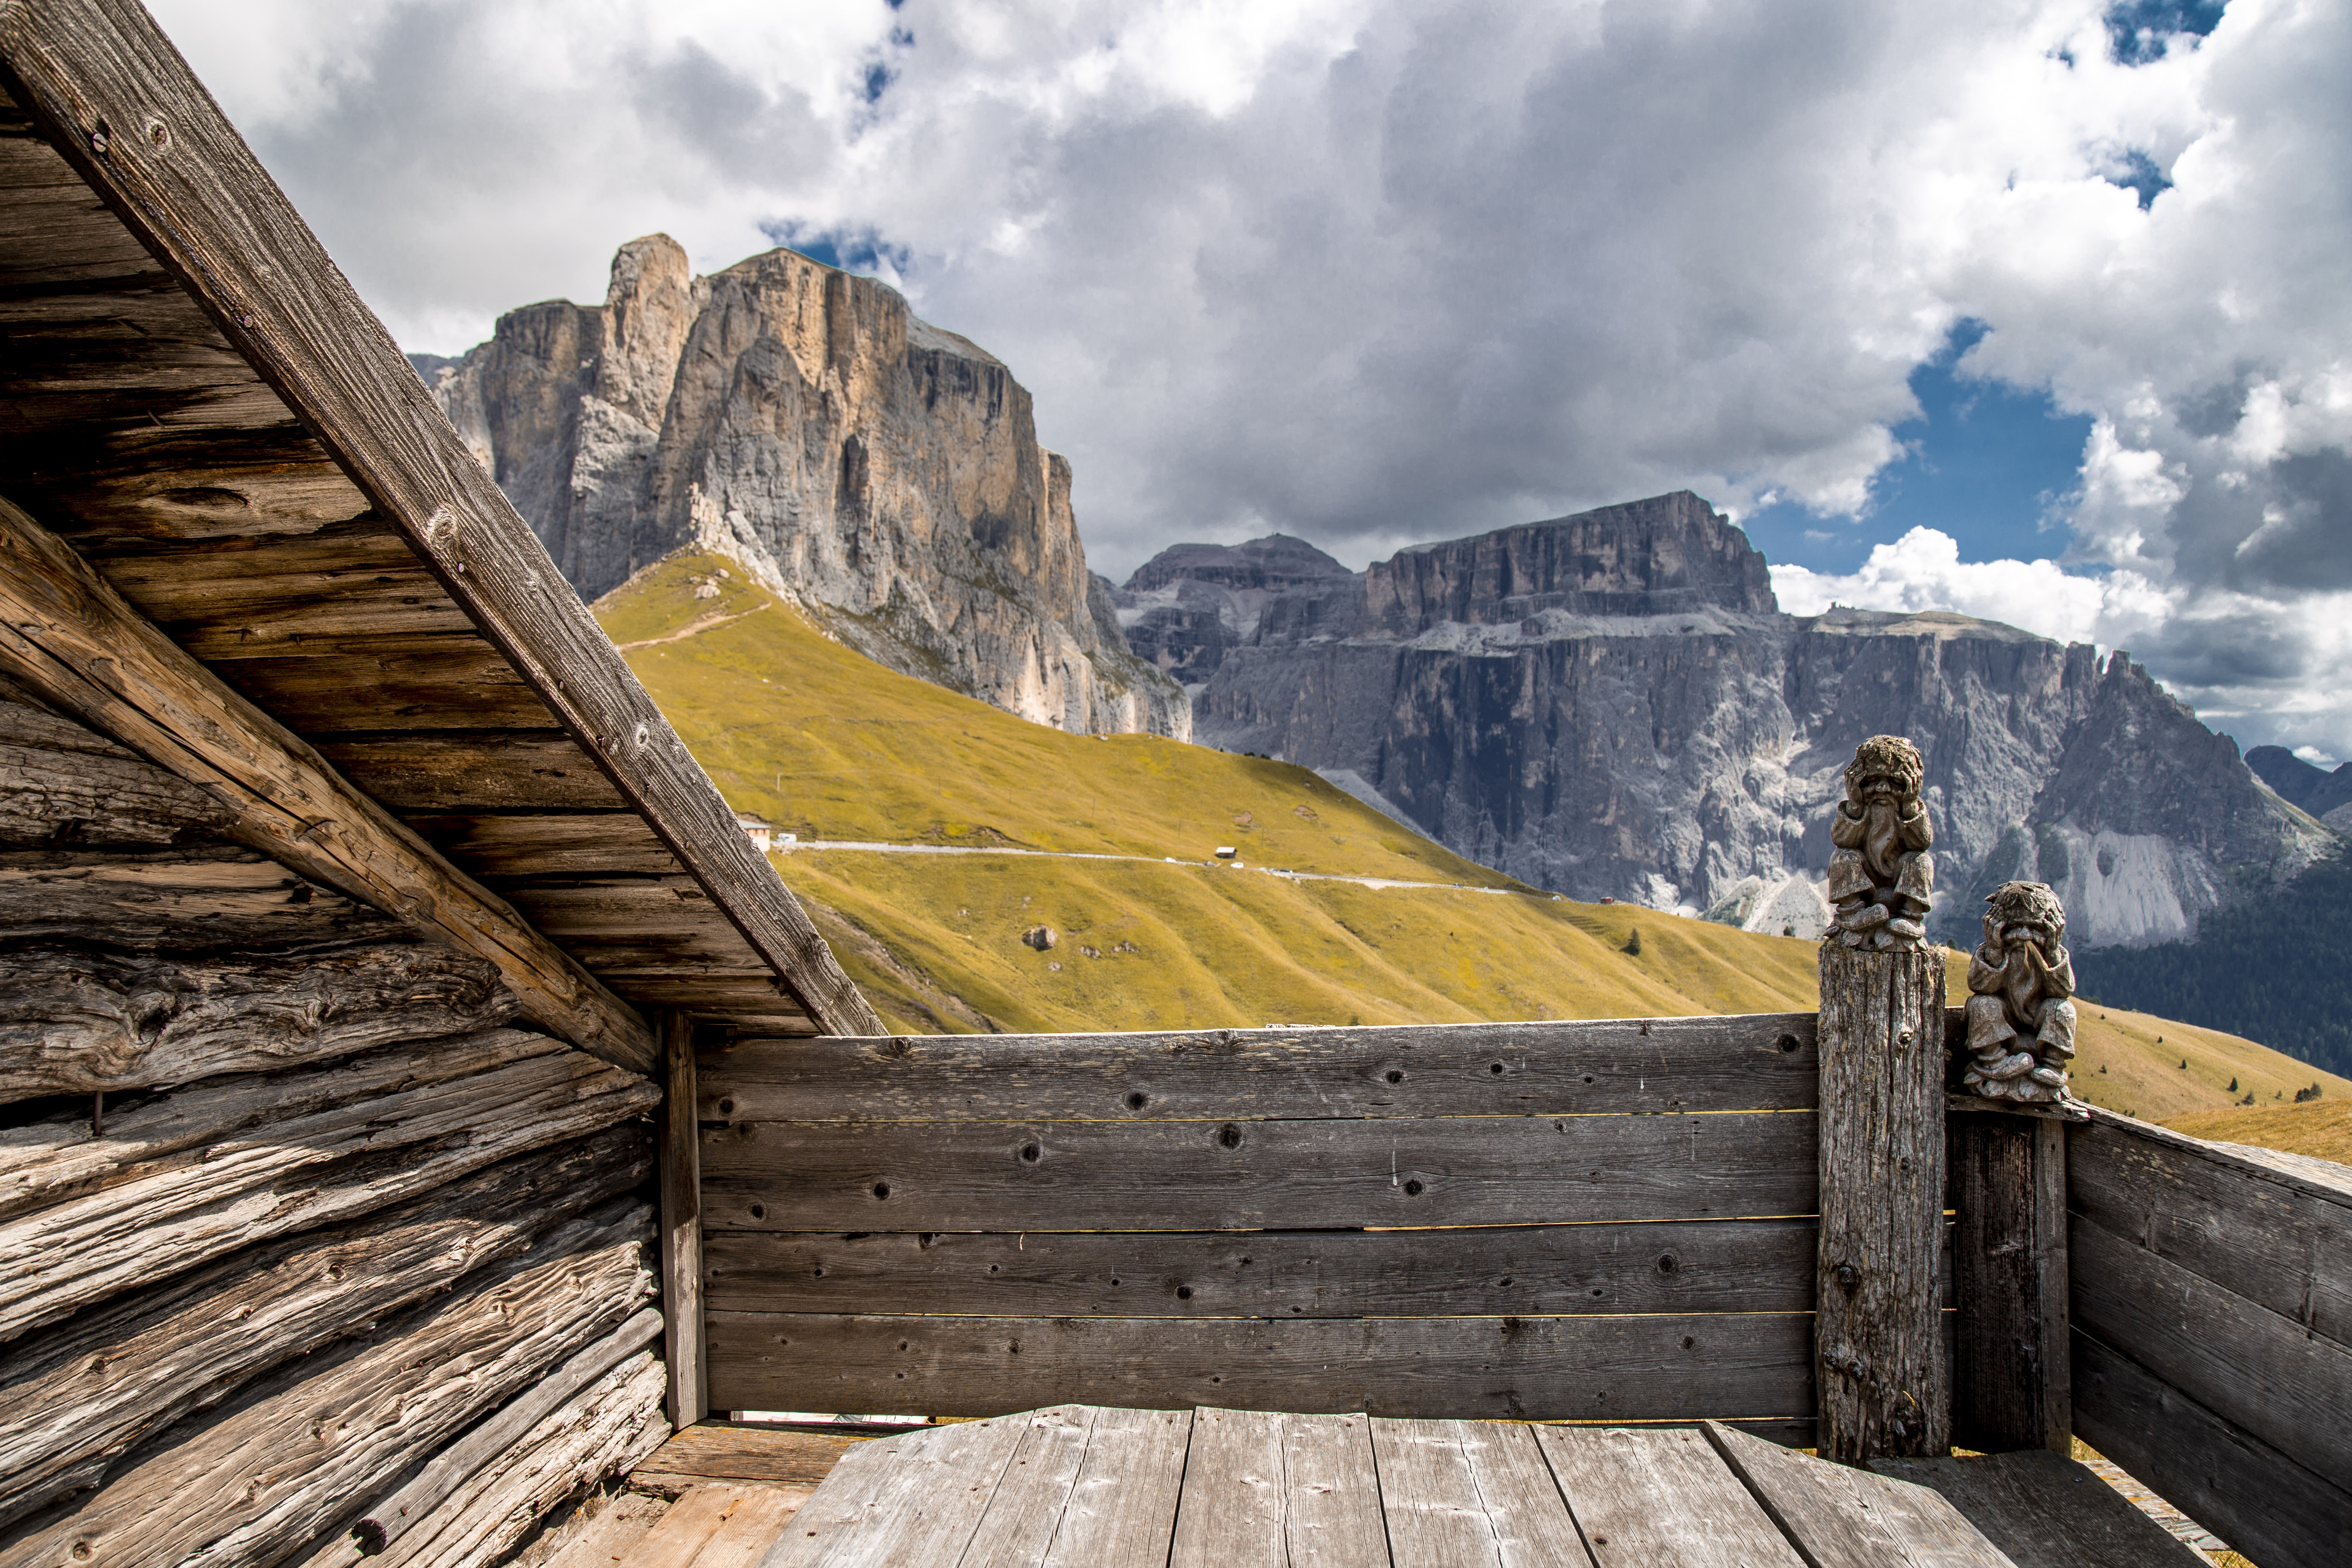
{"x": 2212, "y": 1331}
{"x": 1474, "y": 1220}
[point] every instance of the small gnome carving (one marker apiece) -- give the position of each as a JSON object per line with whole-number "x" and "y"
{"x": 1882, "y": 878}
{"x": 2022, "y": 1009}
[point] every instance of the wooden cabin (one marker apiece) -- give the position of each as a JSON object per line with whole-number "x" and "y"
{"x": 421, "y": 1098}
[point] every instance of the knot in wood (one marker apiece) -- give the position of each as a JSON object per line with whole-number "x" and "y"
{"x": 1848, "y": 1275}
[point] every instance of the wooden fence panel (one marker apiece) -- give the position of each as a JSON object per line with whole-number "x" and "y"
{"x": 1624, "y": 1368}
{"x": 2209, "y": 1293}
{"x": 1603, "y": 1221}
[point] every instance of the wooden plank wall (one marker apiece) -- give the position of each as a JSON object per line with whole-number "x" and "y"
{"x": 289, "y": 1207}
{"x": 2212, "y": 1331}
{"x": 1601, "y": 1221}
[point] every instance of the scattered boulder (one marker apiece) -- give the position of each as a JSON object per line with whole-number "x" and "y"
{"x": 1039, "y": 937}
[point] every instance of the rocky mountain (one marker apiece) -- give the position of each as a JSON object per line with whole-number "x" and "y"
{"x": 1612, "y": 705}
{"x": 2324, "y": 795}
{"x": 883, "y": 473}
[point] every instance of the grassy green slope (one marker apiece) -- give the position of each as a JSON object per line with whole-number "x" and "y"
{"x": 829, "y": 745}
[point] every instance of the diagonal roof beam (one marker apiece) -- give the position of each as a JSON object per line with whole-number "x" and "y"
{"x": 121, "y": 104}
{"x": 75, "y": 643}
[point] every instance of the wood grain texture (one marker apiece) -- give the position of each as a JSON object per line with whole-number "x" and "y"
{"x": 1696, "y": 1265}
{"x": 1643, "y": 1497}
{"x": 1839, "y": 1516}
{"x": 2278, "y": 1512}
{"x": 895, "y": 1500}
{"x": 1882, "y": 1380}
{"x": 681, "y": 1226}
{"x": 201, "y": 204}
{"x": 290, "y": 1175}
{"x": 75, "y": 641}
{"x": 1459, "y": 1493}
{"x": 1206, "y": 1175}
{"x": 2040, "y": 1510}
{"x": 719, "y": 1451}
{"x": 61, "y": 785}
{"x": 429, "y": 775}
{"x": 81, "y": 1022}
{"x": 603, "y": 843}
{"x": 1759, "y": 1062}
{"x": 1231, "y": 1513}
{"x": 63, "y": 1156}
{"x": 636, "y": 924}
{"x": 484, "y": 1448}
{"x": 77, "y": 1397}
{"x": 1664, "y": 1367}
{"x": 2252, "y": 1367}
{"x": 1121, "y": 1511}
{"x": 599, "y": 1432}
{"x": 221, "y": 898}
{"x": 1331, "y": 1493}
{"x": 2012, "y": 1378}
{"x": 2278, "y": 1239}
{"x": 1024, "y": 1511}
{"x": 251, "y": 1482}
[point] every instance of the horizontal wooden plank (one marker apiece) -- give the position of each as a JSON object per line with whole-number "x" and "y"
{"x": 2273, "y": 1241}
{"x": 53, "y": 798}
{"x": 452, "y": 682}
{"x": 249, "y": 596}
{"x": 2243, "y": 1362}
{"x": 737, "y": 998}
{"x": 1257, "y": 1175}
{"x": 599, "y": 843}
{"x": 1705, "y": 1266}
{"x": 183, "y": 900}
{"x": 718, "y": 1450}
{"x": 2041, "y": 1509}
{"x": 431, "y": 774}
{"x": 633, "y": 922}
{"x": 77, "y": 1022}
{"x": 255, "y": 1480}
{"x": 1757, "y": 1062}
{"x": 1664, "y": 1367}
{"x": 74, "y": 1398}
{"x": 2268, "y": 1507}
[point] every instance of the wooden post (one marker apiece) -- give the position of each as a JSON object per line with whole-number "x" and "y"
{"x": 1883, "y": 1387}
{"x": 2012, "y": 1377}
{"x": 681, "y": 1224}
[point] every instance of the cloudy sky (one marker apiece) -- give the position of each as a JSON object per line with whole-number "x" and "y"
{"x": 2040, "y": 310}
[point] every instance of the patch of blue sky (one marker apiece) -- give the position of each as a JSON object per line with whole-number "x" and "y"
{"x": 1985, "y": 462}
{"x": 2139, "y": 31}
{"x": 852, "y": 251}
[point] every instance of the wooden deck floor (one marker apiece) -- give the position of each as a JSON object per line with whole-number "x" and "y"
{"x": 1085, "y": 1487}
{"x": 1077, "y": 1485}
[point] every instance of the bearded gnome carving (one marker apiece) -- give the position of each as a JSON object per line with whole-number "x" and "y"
{"x": 2021, "y": 1008}
{"x": 1881, "y": 877}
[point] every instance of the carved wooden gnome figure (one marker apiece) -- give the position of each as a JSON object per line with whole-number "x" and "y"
{"x": 2021, "y": 1008}
{"x": 1881, "y": 875}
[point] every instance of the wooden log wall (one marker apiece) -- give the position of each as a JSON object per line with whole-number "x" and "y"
{"x": 1526, "y": 1220}
{"x": 272, "y": 1168}
{"x": 2211, "y": 1301}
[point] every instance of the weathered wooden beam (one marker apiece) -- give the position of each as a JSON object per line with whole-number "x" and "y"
{"x": 681, "y": 1224}
{"x": 60, "y": 784}
{"x": 72, "y": 639}
{"x": 1664, "y": 1367}
{"x": 393, "y": 1517}
{"x": 77, "y": 1022}
{"x": 603, "y": 1430}
{"x": 1686, "y": 1265}
{"x": 1882, "y": 1380}
{"x": 2012, "y": 1373}
{"x": 286, "y": 1175}
{"x": 97, "y": 76}
{"x": 1762, "y": 1061}
{"x": 254, "y": 1480}
{"x": 1253, "y": 1175}
{"x": 73, "y": 1399}
{"x": 195, "y": 900}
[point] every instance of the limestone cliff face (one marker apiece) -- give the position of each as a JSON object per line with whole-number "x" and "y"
{"x": 1635, "y": 719}
{"x": 884, "y": 473}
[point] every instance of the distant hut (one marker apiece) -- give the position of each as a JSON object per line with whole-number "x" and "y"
{"x": 756, "y": 828}
{"x": 354, "y": 899}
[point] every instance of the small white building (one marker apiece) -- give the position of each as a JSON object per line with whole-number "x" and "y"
{"x": 755, "y": 828}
